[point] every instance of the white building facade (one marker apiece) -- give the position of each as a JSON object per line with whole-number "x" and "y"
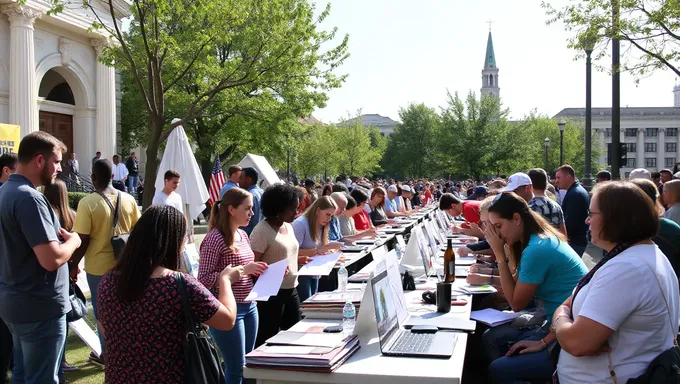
{"x": 650, "y": 134}
{"x": 51, "y": 78}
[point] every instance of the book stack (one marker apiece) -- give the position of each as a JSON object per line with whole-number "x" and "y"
{"x": 328, "y": 305}
{"x": 304, "y": 358}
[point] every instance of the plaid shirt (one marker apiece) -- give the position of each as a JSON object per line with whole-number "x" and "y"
{"x": 215, "y": 256}
{"x": 550, "y": 210}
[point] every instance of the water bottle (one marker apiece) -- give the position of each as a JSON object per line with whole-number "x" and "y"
{"x": 348, "y": 319}
{"x": 399, "y": 251}
{"x": 342, "y": 278}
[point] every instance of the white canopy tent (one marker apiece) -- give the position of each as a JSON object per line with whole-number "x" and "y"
{"x": 267, "y": 174}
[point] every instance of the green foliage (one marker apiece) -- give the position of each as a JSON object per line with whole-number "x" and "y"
{"x": 74, "y": 198}
{"x": 648, "y": 29}
{"x": 234, "y": 72}
{"x": 412, "y": 149}
{"x": 359, "y": 148}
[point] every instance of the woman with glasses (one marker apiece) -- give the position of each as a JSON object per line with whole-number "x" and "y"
{"x": 547, "y": 272}
{"x": 624, "y": 312}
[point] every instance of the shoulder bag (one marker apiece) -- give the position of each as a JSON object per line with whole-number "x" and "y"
{"x": 665, "y": 368}
{"x": 201, "y": 360}
{"x": 117, "y": 241}
{"x": 78, "y": 303}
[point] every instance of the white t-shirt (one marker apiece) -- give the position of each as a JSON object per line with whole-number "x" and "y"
{"x": 624, "y": 296}
{"x": 173, "y": 200}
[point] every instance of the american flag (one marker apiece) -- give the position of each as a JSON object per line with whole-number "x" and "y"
{"x": 216, "y": 181}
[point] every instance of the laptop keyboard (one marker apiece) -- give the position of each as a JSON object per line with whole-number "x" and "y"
{"x": 409, "y": 342}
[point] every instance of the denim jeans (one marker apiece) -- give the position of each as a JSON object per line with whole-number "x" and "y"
{"x": 307, "y": 286}
{"x": 235, "y": 344}
{"x": 518, "y": 368}
{"x": 93, "y": 283}
{"x": 132, "y": 183}
{"x": 38, "y": 347}
{"x": 5, "y": 352}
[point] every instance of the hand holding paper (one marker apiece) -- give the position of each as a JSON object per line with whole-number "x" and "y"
{"x": 269, "y": 282}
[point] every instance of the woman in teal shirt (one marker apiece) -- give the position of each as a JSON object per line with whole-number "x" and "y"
{"x": 548, "y": 271}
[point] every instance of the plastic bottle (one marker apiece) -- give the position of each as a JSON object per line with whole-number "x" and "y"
{"x": 348, "y": 319}
{"x": 342, "y": 278}
{"x": 399, "y": 251}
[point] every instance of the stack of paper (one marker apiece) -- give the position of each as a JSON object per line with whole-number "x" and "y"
{"x": 305, "y": 358}
{"x": 493, "y": 317}
{"x": 328, "y": 305}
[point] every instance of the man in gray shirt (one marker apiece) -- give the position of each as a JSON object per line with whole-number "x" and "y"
{"x": 33, "y": 271}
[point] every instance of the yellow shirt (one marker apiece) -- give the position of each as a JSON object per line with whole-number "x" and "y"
{"x": 95, "y": 218}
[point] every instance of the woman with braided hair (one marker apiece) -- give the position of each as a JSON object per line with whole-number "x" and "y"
{"x": 140, "y": 305}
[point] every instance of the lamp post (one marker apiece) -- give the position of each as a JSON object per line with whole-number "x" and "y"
{"x": 547, "y": 145}
{"x": 588, "y": 44}
{"x": 561, "y": 124}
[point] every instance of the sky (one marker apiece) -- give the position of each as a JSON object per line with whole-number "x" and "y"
{"x": 408, "y": 51}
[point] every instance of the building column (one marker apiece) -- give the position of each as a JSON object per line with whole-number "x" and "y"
{"x": 23, "y": 90}
{"x": 661, "y": 150}
{"x": 106, "y": 104}
{"x": 84, "y": 133}
{"x": 640, "y": 154}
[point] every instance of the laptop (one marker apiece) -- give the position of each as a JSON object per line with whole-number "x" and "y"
{"x": 397, "y": 341}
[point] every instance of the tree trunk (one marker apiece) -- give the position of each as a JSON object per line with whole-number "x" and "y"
{"x": 151, "y": 170}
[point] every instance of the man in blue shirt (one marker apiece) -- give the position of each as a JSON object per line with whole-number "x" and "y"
{"x": 34, "y": 276}
{"x": 248, "y": 181}
{"x": 575, "y": 207}
{"x": 233, "y": 180}
{"x": 391, "y": 208}
{"x": 8, "y": 164}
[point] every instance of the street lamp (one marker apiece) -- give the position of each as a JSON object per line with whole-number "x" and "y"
{"x": 561, "y": 124}
{"x": 547, "y": 145}
{"x": 588, "y": 44}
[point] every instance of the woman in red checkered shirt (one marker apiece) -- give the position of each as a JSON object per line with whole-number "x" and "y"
{"x": 225, "y": 244}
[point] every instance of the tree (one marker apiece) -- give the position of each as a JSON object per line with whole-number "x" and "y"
{"x": 412, "y": 149}
{"x": 318, "y": 151}
{"x": 650, "y": 28}
{"x": 540, "y": 127}
{"x": 477, "y": 140}
{"x": 359, "y": 148}
{"x": 211, "y": 62}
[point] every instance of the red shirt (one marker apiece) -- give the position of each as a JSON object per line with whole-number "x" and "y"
{"x": 215, "y": 256}
{"x": 471, "y": 211}
{"x": 361, "y": 221}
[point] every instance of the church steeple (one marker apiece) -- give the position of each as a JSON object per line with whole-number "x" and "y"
{"x": 490, "y": 72}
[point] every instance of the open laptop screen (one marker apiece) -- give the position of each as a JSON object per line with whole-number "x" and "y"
{"x": 385, "y": 311}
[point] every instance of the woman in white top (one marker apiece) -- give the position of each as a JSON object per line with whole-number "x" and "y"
{"x": 624, "y": 312}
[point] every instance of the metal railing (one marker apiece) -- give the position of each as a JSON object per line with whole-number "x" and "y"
{"x": 76, "y": 183}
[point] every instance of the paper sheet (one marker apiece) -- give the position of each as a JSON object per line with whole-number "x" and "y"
{"x": 320, "y": 265}
{"x": 269, "y": 282}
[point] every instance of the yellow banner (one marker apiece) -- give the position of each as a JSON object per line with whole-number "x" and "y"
{"x": 10, "y": 135}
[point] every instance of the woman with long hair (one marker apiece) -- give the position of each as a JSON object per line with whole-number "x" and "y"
{"x": 624, "y": 312}
{"x": 311, "y": 231}
{"x": 273, "y": 240}
{"x": 225, "y": 244}
{"x": 140, "y": 306}
{"x": 376, "y": 207}
{"x": 548, "y": 270}
{"x": 362, "y": 221}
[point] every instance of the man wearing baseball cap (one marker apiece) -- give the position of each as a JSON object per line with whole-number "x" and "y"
{"x": 407, "y": 194}
{"x": 479, "y": 193}
{"x": 536, "y": 181}
{"x": 391, "y": 208}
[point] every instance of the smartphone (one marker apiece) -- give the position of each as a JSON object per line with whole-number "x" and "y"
{"x": 333, "y": 329}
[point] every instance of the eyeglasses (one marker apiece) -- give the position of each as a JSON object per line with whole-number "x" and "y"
{"x": 591, "y": 213}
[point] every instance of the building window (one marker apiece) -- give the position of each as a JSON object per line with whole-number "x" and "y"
{"x": 671, "y": 147}
{"x": 631, "y": 147}
{"x": 671, "y": 132}
{"x": 630, "y": 132}
{"x": 650, "y": 147}
{"x": 650, "y": 162}
{"x": 607, "y": 132}
{"x": 652, "y": 132}
{"x": 630, "y": 162}
{"x": 670, "y": 162}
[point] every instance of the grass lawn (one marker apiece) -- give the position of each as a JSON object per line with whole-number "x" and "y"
{"x": 76, "y": 354}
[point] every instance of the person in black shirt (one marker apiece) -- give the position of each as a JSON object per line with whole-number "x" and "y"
{"x": 132, "y": 164}
{"x": 575, "y": 205}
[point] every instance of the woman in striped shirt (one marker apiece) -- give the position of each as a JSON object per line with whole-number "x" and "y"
{"x": 225, "y": 244}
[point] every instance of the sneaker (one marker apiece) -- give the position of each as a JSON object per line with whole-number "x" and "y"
{"x": 96, "y": 360}
{"x": 66, "y": 367}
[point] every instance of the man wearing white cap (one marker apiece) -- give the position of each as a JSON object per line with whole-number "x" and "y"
{"x": 640, "y": 173}
{"x": 521, "y": 184}
{"x": 391, "y": 208}
{"x": 407, "y": 194}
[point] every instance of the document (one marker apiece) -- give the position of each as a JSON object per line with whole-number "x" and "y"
{"x": 269, "y": 282}
{"x": 493, "y": 317}
{"x": 321, "y": 265}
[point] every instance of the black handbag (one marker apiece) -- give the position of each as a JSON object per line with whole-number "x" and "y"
{"x": 117, "y": 241}
{"x": 201, "y": 360}
{"x": 78, "y": 303}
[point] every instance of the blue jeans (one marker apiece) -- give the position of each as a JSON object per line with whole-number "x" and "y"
{"x": 93, "y": 283}
{"x": 579, "y": 249}
{"x": 132, "y": 182}
{"x": 307, "y": 286}
{"x": 526, "y": 367}
{"x": 235, "y": 344}
{"x": 38, "y": 348}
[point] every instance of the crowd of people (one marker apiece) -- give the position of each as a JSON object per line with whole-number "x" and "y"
{"x": 533, "y": 230}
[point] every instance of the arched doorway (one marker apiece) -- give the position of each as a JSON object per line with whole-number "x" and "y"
{"x": 55, "y": 88}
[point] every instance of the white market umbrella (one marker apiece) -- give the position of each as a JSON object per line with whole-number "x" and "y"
{"x": 179, "y": 156}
